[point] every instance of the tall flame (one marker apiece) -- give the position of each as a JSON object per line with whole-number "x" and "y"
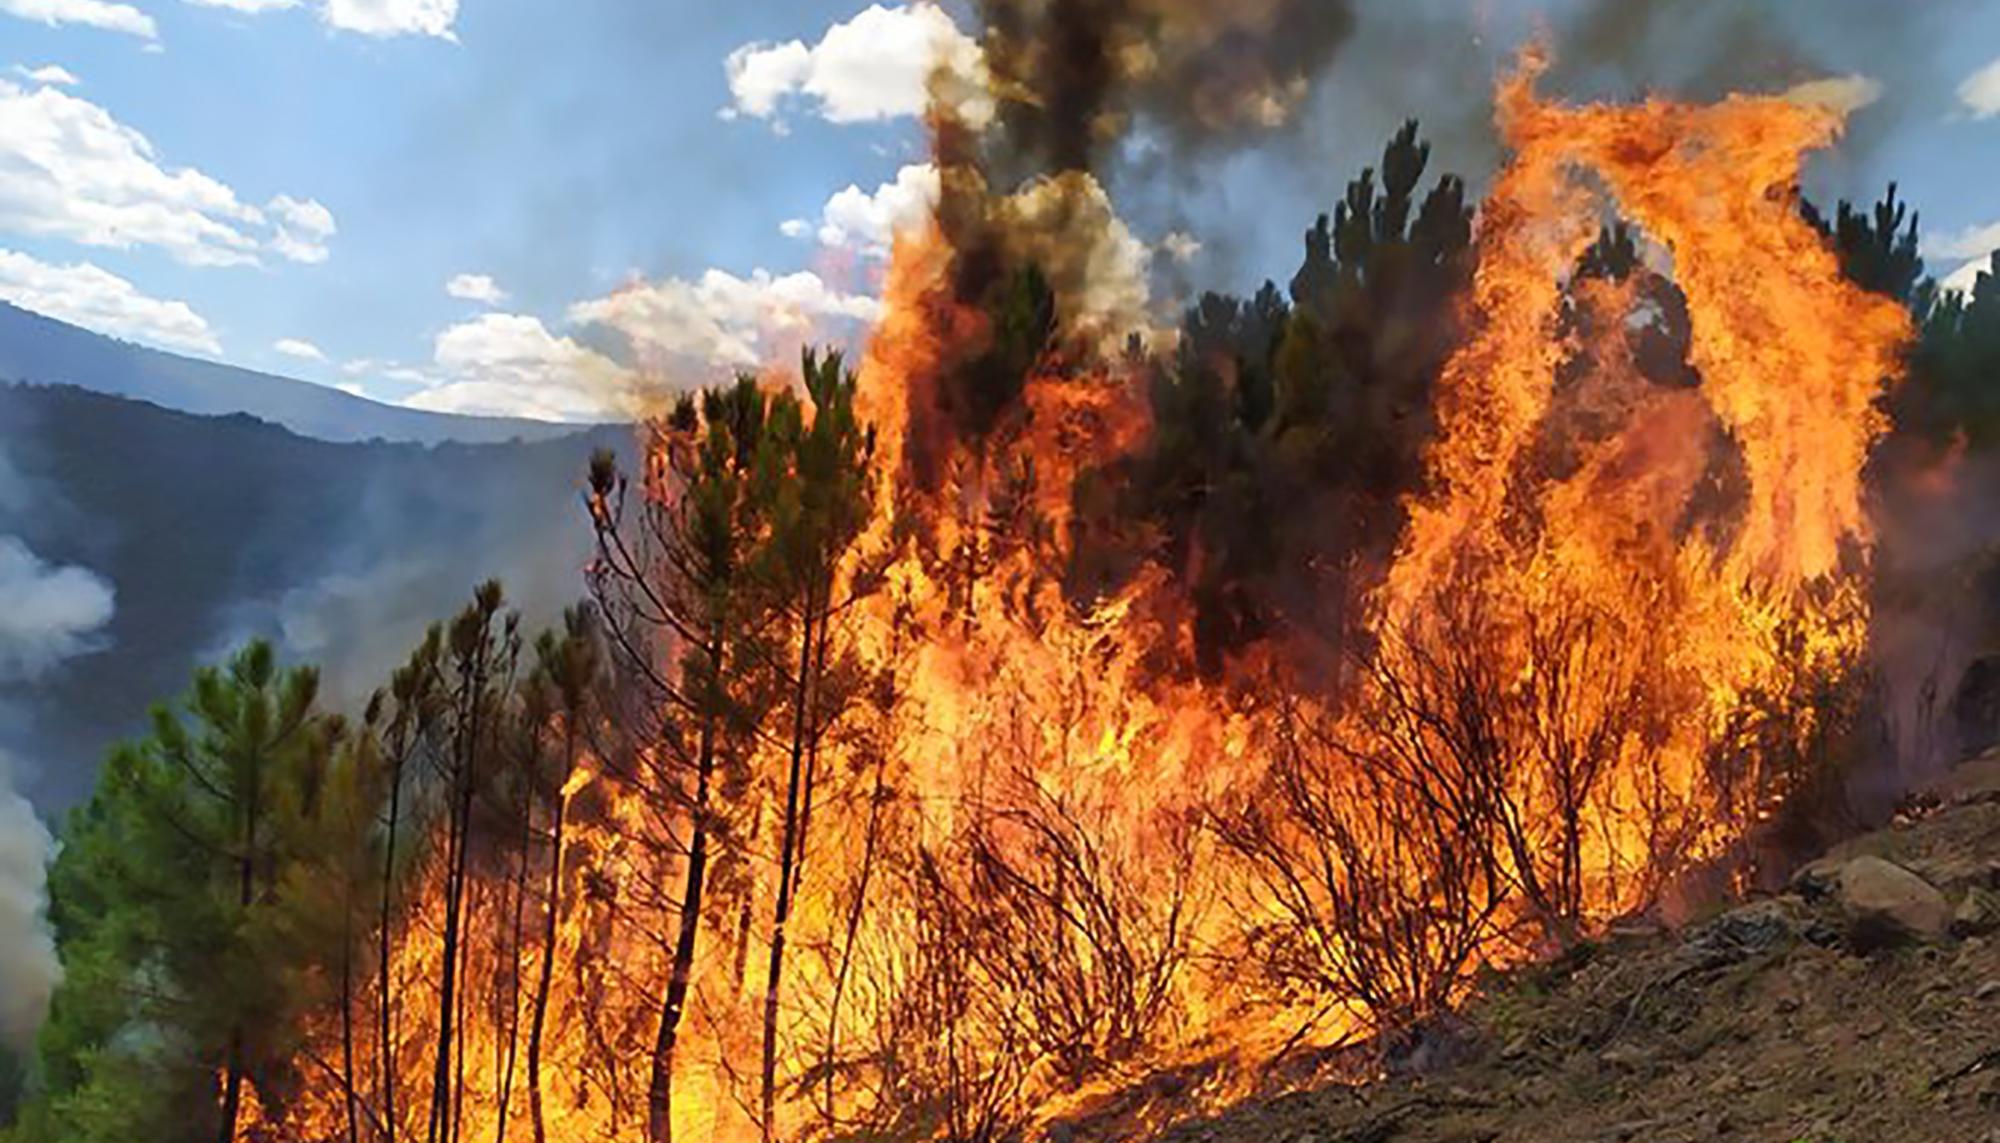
{"x": 1011, "y": 881}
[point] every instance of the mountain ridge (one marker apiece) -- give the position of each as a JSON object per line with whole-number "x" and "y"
{"x": 40, "y": 350}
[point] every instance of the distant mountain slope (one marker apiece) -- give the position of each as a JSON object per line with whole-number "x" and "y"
{"x": 42, "y": 350}
{"x": 212, "y": 529}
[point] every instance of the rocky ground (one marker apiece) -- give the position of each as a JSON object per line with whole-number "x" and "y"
{"x": 1861, "y": 1006}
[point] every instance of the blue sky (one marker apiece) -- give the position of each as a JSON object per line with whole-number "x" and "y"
{"x": 620, "y": 182}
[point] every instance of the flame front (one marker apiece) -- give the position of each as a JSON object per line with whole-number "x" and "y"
{"x": 1048, "y": 857}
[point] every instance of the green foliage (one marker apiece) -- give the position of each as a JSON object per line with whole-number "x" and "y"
{"x": 177, "y": 901}
{"x": 1878, "y": 251}
{"x": 1948, "y": 389}
{"x": 1286, "y": 435}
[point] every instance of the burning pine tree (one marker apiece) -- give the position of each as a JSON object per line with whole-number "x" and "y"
{"x": 959, "y": 743}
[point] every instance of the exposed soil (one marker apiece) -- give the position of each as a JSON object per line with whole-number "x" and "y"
{"x": 1768, "y": 1022}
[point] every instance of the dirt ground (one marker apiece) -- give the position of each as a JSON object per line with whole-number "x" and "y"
{"x": 1765, "y": 1023}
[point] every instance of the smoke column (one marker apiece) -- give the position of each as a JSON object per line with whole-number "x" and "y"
{"x": 52, "y": 614}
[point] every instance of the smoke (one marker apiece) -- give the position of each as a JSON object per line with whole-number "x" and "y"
{"x": 52, "y": 613}
{"x": 1074, "y": 75}
{"x": 28, "y": 967}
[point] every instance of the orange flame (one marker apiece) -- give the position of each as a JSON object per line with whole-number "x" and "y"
{"x": 1030, "y": 737}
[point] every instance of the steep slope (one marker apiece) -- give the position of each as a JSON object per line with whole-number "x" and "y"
{"x": 45, "y": 351}
{"x": 212, "y": 529}
{"x": 1808, "y": 1017}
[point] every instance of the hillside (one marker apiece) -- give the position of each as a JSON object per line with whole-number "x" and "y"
{"x": 45, "y": 351}
{"x": 1861, "y": 1005}
{"x": 211, "y": 529}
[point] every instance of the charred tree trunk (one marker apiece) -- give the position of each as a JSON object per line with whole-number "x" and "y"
{"x": 384, "y": 968}
{"x": 246, "y": 890}
{"x": 659, "y": 1096}
{"x": 446, "y": 1096}
{"x": 546, "y": 973}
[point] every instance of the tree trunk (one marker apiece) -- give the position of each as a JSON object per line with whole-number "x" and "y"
{"x": 347, "y": 1020}
{"x": 246, "y": 890}
{"x": 445, "y": 1096}
{"x": 788, "y": 848}
{"x": 514, "y": 971}
{"x": 547, "y": 971}
{"x": 659, "y": 1095}
{"x": 384, "y": 1017}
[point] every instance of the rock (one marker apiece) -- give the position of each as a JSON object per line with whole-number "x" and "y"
{"x": 1978, "y": 912}
{"x": 1745, "y": 931}
{"x": 1885, "y": 903}
{"x": 1817, "y": 880}
{"x": 1987, "y": 991}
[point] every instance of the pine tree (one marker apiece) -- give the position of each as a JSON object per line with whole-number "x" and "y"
{"x": 818, "y": 513}
{"x": 681, "y": 584}
{"x": 167, "y": 906}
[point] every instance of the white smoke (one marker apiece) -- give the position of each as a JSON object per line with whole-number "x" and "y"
{"x": 52, "y": 613}
{"x": 28, "y": 967}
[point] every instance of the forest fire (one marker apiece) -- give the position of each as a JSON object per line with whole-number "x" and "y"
{"x": 876, "y": 818}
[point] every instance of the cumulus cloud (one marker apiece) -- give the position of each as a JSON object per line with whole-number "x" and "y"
{"x": 867, "y": 222}
{"x": 49, "y": 74}
{"x": 89, "y": 13}
{"x": 384, "y": 18}
{"x": 475, "y": 288}
{"x": 249, "y": 6}
{"x": 721, "y": 321}
{"x": 1967, "y": 276}
{"x": 512, "y": 365}
{"x": 303, "y": 227}
{"x": 299, "y": 348}
{"x": 1970, "y": 242}
{"x": 663, "y": 333}
{"x": 878, "y": 65}
{"x": 69, "y": 169}
{"x": 1980, "y": 93}
{"x": 95, "y": 298}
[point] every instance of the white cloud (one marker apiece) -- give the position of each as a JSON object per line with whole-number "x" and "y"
{"x": 1980, "y": 93}
{"x": 48, "y": 74}
{"x": 678, "y": 330}
{"x": 90, "y": 13}
{"x": 303, "y": 228}
{"x": 250, "y": 6}
{"x": 795, "y": 228}
{"x": 299, "y": 348}
{"x": 1966, "y": 276}
{"x": 69, "y": 169}
{"x": 723, "y": 321}
{"x": 1970, "y": 242}
{"x": 511, "y": 365}
{"x": 878, "y": 65}
{"x": 94, "y": 298}
{"x": 393, "y": 17}
{"x": 476, "y": 288}
{"x": 1972, "y": 248}
{"x": 867, "y": 223}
